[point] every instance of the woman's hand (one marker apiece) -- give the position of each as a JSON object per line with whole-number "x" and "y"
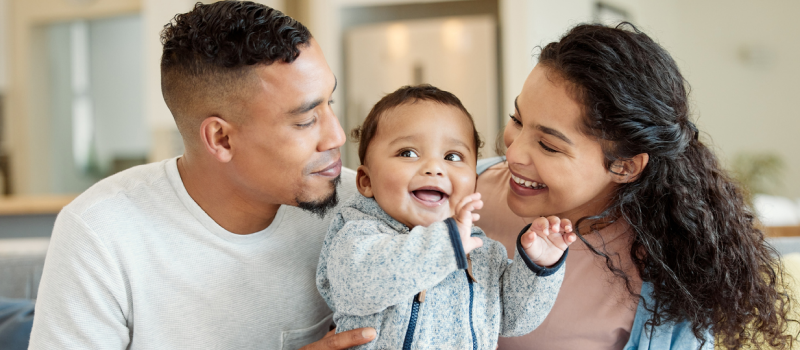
{"x": 464, "y": 218}
{"x": 344, "y": 340}
{"x": 547, "y": 239}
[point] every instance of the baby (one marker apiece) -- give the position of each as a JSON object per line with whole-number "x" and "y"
{"x": 403, "y": 257}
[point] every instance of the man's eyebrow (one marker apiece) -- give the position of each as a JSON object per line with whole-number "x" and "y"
{"x": 544, "y": 129}
{"x": 307, "y": 106}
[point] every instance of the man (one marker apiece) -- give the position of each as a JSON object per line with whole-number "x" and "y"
{"x": 217, "y": 248}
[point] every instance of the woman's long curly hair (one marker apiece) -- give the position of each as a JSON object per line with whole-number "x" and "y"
{"x": 694, "y": 238}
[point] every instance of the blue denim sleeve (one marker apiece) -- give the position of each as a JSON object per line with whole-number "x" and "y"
{"x": 668, "y": 336}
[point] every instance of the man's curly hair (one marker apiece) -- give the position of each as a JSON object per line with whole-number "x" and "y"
{"x": 209, "y": 53}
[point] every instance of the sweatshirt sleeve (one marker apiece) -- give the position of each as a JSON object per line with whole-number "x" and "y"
{"x": 528, "y": 292}
{"x": 82, "y": 301}
{"x": 369, "y": 269}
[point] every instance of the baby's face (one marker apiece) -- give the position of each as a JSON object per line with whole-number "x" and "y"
{"x": 420, "y": 163}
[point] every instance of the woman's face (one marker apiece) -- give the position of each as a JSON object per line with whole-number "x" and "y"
{"x": 560, "y": 169}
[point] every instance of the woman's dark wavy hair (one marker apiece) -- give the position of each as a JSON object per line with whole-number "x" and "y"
{"x": 694, "y": 238}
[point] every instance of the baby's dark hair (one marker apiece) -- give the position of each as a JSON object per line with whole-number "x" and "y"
{"x": 694, "y": 237}
{"x": 407, "y": 94}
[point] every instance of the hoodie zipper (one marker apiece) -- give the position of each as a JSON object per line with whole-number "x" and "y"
{"x": 420, "y": 298}
{"x": 471, "y": 280}
{"x": 412, "y": 322}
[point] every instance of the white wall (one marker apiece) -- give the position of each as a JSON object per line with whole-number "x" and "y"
{"x": 3, "y": 46}
{"x": 741, "y": 59}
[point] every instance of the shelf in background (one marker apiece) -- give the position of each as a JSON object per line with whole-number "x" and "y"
{"x": 31, "y": 205}
{"x": 782, "y": 231}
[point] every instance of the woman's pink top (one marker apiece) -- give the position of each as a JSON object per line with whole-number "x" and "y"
{"x": 593, "y": 309}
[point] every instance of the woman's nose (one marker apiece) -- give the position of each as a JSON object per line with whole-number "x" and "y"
{"x": 516, "y": 153}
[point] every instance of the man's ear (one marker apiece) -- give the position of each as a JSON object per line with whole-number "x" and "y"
{"x": 215, "y": 135}
{"x": 363, "y": 181}
{"x": 628, "y": 170}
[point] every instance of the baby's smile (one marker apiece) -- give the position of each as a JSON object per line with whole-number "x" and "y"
{"x": 430, "y": 196}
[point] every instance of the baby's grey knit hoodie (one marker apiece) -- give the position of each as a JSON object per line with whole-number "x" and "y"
{"x": 372, "y": 269}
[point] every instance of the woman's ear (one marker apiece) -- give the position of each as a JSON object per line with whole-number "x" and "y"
{"x": 363, "y": 181}
{"x": 215, "y": 135}
{"x": 628, "y": 170}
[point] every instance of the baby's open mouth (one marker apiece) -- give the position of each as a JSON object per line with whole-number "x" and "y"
{"x": 429, "y": 195}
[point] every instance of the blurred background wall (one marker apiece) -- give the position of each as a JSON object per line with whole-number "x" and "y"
{"x": 80, "y": 95}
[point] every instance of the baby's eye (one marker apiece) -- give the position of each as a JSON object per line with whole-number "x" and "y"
{"x": 409, "y": 154}
{"x": 453, "y": 157}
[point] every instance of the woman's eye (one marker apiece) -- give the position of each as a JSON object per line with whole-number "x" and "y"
{"x": 453, "y": 157}
{"x": 548, "y": 149}
{"x": 515, "y": 120}
{"x": 409, "y": 154}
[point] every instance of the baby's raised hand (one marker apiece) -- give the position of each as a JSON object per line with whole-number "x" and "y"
{"x": 547, "y": 239}
{"x": 464, "y": 218}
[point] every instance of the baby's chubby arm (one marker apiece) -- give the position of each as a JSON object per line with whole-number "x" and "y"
{"x": 531, "y": 283}
{"x": 370, "y": 270}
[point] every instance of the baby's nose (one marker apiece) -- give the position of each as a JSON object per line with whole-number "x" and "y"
{"x": 433, "y": 168}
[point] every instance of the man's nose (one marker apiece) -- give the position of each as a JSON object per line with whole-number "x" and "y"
{"x": 332, "y": 136}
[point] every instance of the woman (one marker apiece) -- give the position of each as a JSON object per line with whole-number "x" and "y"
{"x": 601, "y": 135}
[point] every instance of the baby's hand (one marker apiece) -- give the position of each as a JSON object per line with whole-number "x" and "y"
{"x": 547, "y": 239}
{"x": 464, "y": 218}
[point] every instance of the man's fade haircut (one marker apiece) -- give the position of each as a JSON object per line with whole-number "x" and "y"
{"x": 209, "y": 52}
{"x": 407, "y": 95}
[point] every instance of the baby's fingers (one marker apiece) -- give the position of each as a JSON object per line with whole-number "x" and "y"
{"x": 555, "y": 223}
{"x": 566, "y": 225}
{"x": 562, "y": 240}
{"x": 540, "y": 226}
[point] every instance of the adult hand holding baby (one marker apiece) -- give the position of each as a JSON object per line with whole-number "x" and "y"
{"x": 464, "y": 217}
{"x": 546, "y": 239}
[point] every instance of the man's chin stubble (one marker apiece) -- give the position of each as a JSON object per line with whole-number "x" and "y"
{"x": 320, "y": 207}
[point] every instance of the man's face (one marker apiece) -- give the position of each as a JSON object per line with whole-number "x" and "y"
{"x": 287, "y": 143}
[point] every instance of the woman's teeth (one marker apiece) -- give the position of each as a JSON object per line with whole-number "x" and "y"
{"x": 529, "y": 184}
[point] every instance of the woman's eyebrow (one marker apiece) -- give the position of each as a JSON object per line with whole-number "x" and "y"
{"x": 544, "y": 129}
{"x": 554, "y": 132}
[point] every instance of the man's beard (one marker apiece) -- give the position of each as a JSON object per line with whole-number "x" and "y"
{"x": 320, "y": 207}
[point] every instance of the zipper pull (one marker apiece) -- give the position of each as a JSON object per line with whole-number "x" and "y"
{"x": 421, "y": 297}
{"x": 469, "y": 269}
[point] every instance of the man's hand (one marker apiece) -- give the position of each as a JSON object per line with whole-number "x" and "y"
{"x": 464, "y": 218}
{"x": 344, "y": 340}
{"x": 547, "y": 239}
